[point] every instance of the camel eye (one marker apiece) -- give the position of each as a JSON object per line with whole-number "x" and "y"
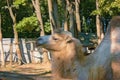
{"x": 54, "y": 38}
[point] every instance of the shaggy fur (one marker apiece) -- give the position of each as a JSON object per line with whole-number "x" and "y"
{"x": 69, "y": 61}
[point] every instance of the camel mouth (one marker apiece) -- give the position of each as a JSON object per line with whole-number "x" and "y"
{"x": 42, "y": 40}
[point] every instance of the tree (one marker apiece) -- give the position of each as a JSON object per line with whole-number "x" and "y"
{"x": 36, "y": 5}
{"x": 98, "y": 23}
{"x": 1, "y": 47}
{"x": 87, "y": 20}
{"x": 109, "y": 7}
{"x": 53, "y": 16}
{"x": 52, "y": 22}
{"x": 66, "y": 28}
{"x": 13, "y": 17}
{"x": 27, "y": 24}
{"x": 105, "y": 9}
{"x": 78, "y": 21}
{"x": 55, "y": 12}
{"x": 70, "y": 8}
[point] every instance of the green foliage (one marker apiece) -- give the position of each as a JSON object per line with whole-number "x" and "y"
{"x": 85, "y": 13}
{"x": 85, "y": 28}
{"x": 45, "y": 15}
{"x": 88, "y": 24}
{"x": 109, "y": 7}
{"x": 96, "y": 12}
{"x": 87, "y": 9}
{"x": 16, "y": 3}
{"x": 44, "y": 10}
{"x": 27, "y": 24}
{"x": 47, "y": 26}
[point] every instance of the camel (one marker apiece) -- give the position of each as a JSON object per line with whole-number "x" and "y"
{"x": 69, "y": 61}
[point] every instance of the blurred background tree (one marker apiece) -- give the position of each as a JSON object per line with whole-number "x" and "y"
{"x": 61, "y": 15}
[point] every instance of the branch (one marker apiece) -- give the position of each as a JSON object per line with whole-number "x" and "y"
{"x": 33, "y": 2}
{"x": 11, "y": 12}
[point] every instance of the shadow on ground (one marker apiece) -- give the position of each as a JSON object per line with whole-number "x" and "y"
{"x": 26, "y": 72}
{"x": 17, "y": 76}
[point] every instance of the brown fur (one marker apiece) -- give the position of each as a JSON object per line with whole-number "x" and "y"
{"x": 115, "y": 46}
{"x": 69, "y": 61}
{"x": 66, "y": 53}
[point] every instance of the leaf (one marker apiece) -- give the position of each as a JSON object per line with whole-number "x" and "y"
{"x": 16, "y": 3}
{"x": 27, "y": 24}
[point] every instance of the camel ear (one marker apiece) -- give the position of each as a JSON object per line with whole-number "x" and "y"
{"x": 69, "y": 39}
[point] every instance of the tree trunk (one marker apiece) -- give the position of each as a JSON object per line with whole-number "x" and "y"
{"x": 72, "y": 26}
{"x": 66, "y": 27}
{"x": 17, "y": 45}
{"x": 98, "y": 28}
{"x": 15, "y": 34}
{"x": 1, "y": 47}
{"x": 98, "y": 23}
{"x": 36, "y": 5}
{"x": 78, "y": 22}
{"x": 55, "y": 12}
{"x": 71, "y": 13}
{"x": 51, "y": 16}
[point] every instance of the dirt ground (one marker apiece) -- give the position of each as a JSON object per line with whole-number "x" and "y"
{"x": 33, "y": 71}
{"x": 37, "y": 71}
